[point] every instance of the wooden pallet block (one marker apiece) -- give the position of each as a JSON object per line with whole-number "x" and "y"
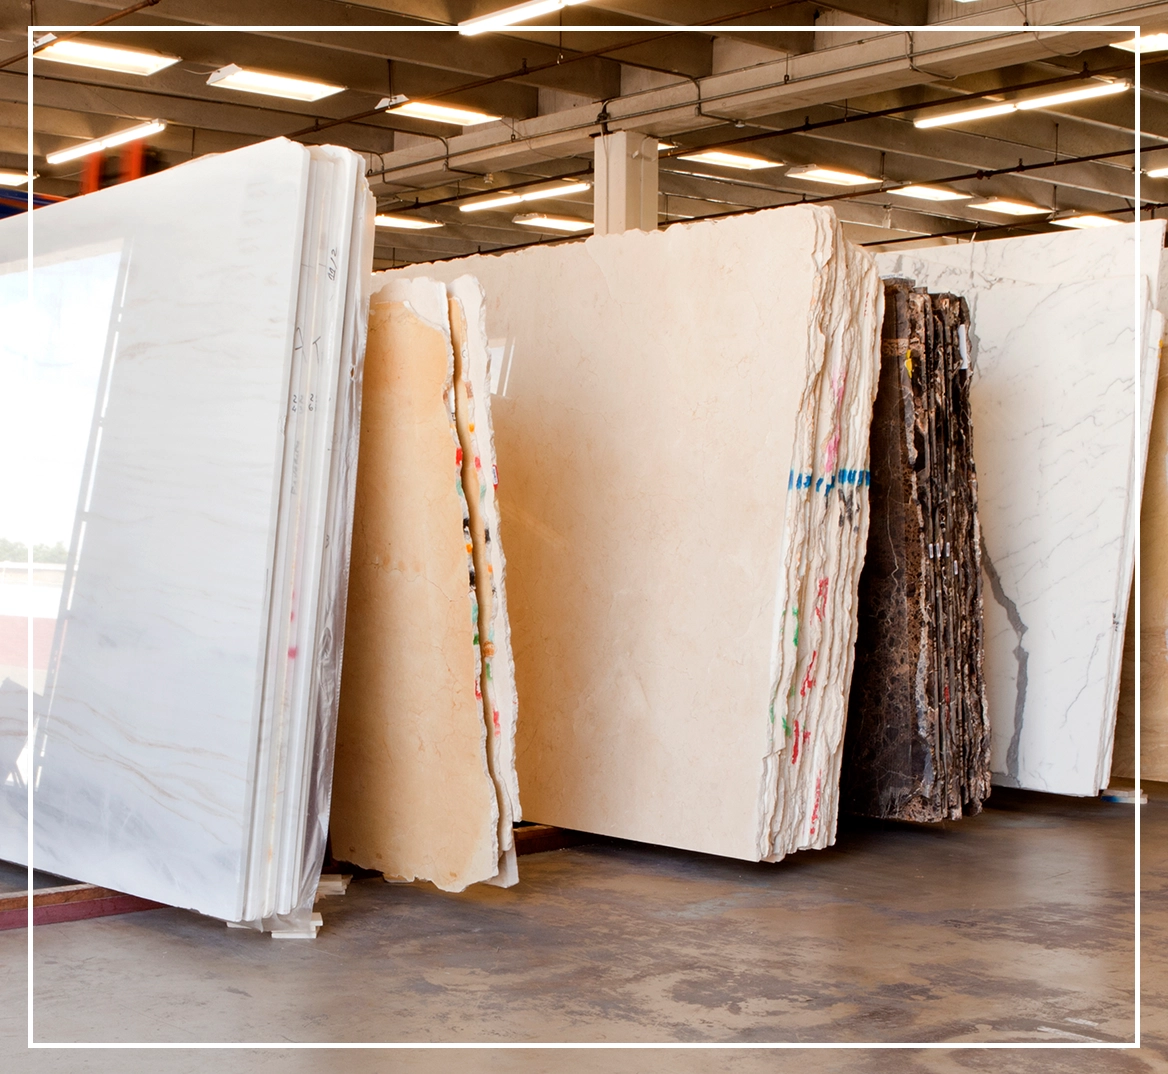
{"x": 69, "y": 902}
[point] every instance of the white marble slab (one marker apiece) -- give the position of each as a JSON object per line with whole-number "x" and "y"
{"x": 1056, "y": 323}
{"x": 147, "y": 734}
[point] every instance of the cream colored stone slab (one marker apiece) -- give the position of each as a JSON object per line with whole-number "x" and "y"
{"x": 412, "y": 794}
{"x": 496, "y": 685}
{"x": 661, "y": 395}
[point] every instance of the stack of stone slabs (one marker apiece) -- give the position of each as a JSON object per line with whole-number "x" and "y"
{"x": 917, "y": 743}
{"x": 682, "y": 436}
{"x": 1060, "y": 325}
{"x": 422, "y": 787}
{"x": 184, "y": 734}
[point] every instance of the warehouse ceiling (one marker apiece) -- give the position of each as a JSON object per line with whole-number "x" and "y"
{"x": 795, "y": 83}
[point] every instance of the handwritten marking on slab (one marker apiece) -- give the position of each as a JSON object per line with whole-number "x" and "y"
{"x": 808, "y": 681}
{"x": 821, "y": 599}
{"x": 815, "y": 808}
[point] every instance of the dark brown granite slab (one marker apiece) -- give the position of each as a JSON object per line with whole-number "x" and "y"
{"x": 917, "y": 741}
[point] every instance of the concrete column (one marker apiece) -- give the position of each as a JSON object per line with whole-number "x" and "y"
{"x": 625, "y": 188}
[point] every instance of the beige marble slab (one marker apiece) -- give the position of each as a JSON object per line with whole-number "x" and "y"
{"x": 412, "y": 793}
{"x": 675, "y": 412}
{"x": 496, "y": 680}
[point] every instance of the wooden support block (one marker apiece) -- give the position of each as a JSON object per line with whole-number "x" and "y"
{"x": 70, "y": 902}
{"x": 537, "y": 838}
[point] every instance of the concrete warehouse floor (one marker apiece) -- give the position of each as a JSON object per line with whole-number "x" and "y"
{"x": 1012, "y": 926}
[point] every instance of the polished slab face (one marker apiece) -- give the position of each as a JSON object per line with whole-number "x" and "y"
{"x": 162, "y": 482}
{"x": 1055, "y": 338}
{"x": 681, "y": 426}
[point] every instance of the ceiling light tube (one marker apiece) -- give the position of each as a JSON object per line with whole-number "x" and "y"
{"x": 1010, "y": 208}
{"x": 924, "y": 192}
{"x": 553, "y": 223}
{"x": 127, "y": 61}
{"x": 1148, "y": 43}
{"x": 511, "y": 16}
{"x": 84, "y": 149}
{"x": 14, "y": 179}
{"x": 293, "y": 89}
{"x": 404, "y": 223}
{"x": 514, "y": 197}
{"x": 965, "y": 116}
{"x": 744, "y": 161}
{"x": 442, "y": 113}
{"x": 493, "y": 202}
{"x": 1156, "y": 173}
{"x": 1083, "y": 93}
{"x": 813, "y": 173}
{"x": 558, "y": 190}
{"x": 1087, "y": 220}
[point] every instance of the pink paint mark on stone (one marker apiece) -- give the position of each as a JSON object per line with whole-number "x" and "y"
{"x": 832, "y": 454}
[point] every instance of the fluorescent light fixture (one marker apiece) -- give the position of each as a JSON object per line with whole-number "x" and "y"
{"x": 1148, "y": 43}
{"x": 404, "y": 223}
{"x": 8, "y": 178}
{"x": 663, "y": 146}
{"x": 924, "y": 192}
{"x": 1083, "y": 93}
{"x": 744, "y": 161}
{"x": 558, "y": 190}
{"x": 442, "y": 113}
{"x": 1085, "y": 221}
{"x": 130, "y": 134}
{"x": 513, "y": 197}
{"x": 1010, "y": 208}
{"x": 553, "y": 223}
{"x": 294, "y": 89}
{"x": 495, "y": 202}
{"x": 966, "y": 115}
{"x": 813, "y": 173}
{"x": 510, "y": 16}
{"x": 127, "y": 61}
{"x": 1156, "y": 173}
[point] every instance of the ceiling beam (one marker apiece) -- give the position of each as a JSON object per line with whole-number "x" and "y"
{"x": 877, "y": 64}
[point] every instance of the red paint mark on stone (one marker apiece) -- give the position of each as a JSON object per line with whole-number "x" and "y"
{"x": 815, "y": 808}
{"x": 292, "y": 652}
{"x": 806, "y": 737}
{"x": 795, "y": 748}
{"x": 495, "y": 719}
{"x": 478, "y": 463}
{"x": 821, "y": 599}
{"x": 458, "y": 456}
{"x": 808, "y": 681}
{"x": 478, "y": 693}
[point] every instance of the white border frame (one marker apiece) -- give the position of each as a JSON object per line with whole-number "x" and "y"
{"x": 1137, "y": 309}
